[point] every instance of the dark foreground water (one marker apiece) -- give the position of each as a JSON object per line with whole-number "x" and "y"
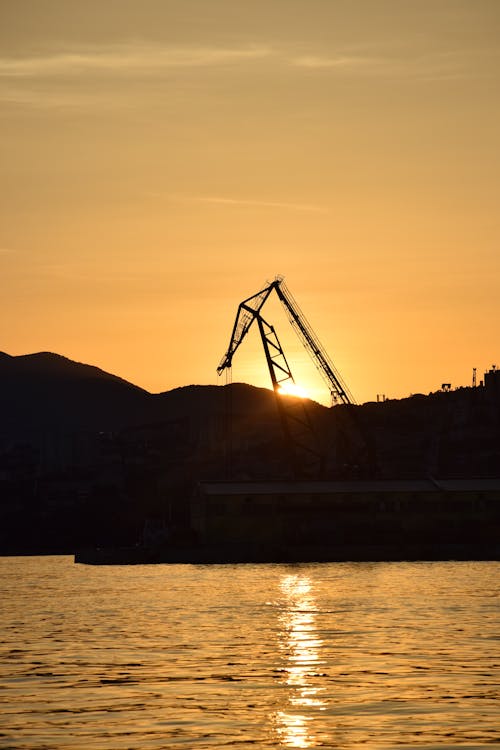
{"x": 334, "y": 655}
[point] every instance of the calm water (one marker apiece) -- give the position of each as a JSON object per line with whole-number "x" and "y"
{"x": 274, "y": 656}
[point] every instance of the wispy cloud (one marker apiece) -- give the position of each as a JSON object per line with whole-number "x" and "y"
{"x": 249, "y": 202}
{"x": 443, "y": 65}
{"x": 48, "y": 81}
{"x": 126, "y": 58}
{"x": 66, "y": 78}
{"x": 46, "y": 97}
{"x": 153, "y": 59}
{"x": 338, "y": 62}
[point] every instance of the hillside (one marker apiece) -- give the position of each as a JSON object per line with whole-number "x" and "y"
{"x": 86, "y": 456}
{"x": 45, "y": 391}
{"x": 443, "y": 434}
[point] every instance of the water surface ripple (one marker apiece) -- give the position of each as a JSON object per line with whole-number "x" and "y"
{"x": 335, "y": 655}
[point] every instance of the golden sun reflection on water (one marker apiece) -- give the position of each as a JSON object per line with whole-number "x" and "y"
{"x": 301, "y": 646}
{"x": 353, "y": 656}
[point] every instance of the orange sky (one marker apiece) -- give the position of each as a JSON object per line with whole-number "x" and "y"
{"x": 161, "y": 159}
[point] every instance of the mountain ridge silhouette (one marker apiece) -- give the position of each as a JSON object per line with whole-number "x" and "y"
{"x": 44, "y": 391}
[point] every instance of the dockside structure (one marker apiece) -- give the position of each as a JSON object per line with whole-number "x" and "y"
{"x": 350, "y": 520}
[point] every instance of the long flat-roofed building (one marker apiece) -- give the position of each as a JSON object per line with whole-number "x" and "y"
{"x": 315, "y": 520}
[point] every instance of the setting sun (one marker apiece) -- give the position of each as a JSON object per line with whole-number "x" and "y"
{"x": 292, "y": 389}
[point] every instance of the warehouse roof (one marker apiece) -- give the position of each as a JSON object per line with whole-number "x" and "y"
{"x": 300, "y": 487}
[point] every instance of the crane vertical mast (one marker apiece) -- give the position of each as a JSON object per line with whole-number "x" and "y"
{"x": 300, "y": 437}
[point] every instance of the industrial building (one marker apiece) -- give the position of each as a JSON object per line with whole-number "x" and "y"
{"x": 342, "y": 520}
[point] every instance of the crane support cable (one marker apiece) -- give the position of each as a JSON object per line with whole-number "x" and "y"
{"x": 338, "y": 389}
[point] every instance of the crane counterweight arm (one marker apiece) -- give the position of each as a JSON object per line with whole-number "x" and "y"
{"x": 248, "y": 310}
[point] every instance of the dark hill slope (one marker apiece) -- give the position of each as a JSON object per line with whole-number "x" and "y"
{"x": 46, "y": 391}
{"x": 206, "y": 401}
{"x": 443, "y": 434}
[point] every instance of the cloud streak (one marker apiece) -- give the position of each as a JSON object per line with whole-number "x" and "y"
{"x": 339, "y": 62}
{"x": 49, "y": 81}
{"x": 248, "y": 202}
{"x": 153, "y": 59}
{"x": 122, "y": 59}
{"x": 451, "y": 64}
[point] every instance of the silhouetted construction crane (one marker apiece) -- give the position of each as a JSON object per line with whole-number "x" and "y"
{"x": 249, "y": 310}
{"x": 308, "y": 457}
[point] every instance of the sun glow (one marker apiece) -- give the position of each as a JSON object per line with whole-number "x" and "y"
{"x": 292, "y": 389}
